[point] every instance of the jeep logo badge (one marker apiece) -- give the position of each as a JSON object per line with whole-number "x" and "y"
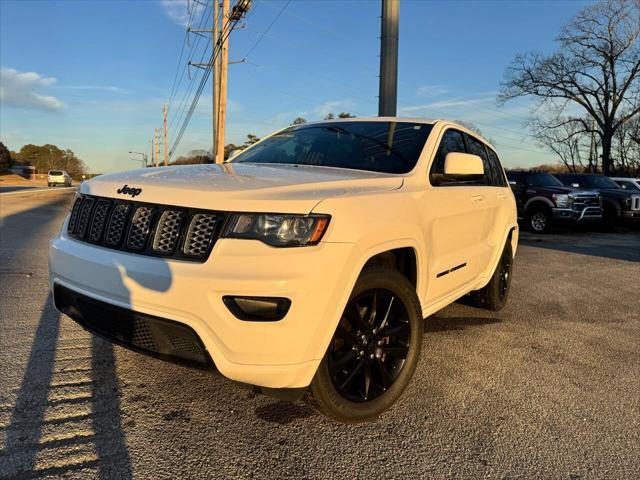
{"x": 127, "y": 190}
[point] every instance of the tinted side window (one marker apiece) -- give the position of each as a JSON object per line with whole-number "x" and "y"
{"x": 496, "y": 169}
{"x": 452, "y": 141}
{"x": 476, "y": 147}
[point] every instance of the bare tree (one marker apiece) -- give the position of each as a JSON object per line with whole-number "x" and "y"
{"x": 596, "y": 69}
{"x": 576, "y": 151}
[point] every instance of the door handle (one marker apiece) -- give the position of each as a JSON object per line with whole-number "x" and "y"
{"x": 477, "y": 198}
{"x": 502, "y": 196}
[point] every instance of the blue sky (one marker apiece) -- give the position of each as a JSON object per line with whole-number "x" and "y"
{"x": 93, "y": 75}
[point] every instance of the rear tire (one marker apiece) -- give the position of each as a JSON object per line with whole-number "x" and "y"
{"x": 373, "y": 353}
{"x": 495, "y": 294}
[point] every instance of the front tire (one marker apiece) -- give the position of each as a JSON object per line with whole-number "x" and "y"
{"x": 373, "y": 353}
{"x": 539, "y": 220}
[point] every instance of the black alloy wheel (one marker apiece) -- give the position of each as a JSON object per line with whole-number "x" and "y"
{"x": 504, "y": 275}
{"x": 374, "y": 350}
{"x": 370, "y": 346}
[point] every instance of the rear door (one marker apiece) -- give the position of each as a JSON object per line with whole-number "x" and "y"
{"x": 492, "y": 197}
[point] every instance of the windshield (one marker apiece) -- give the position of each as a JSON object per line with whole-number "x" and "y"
{"x": 596, "y": 181}
{"x": 543, "y": 179}
{"x": 389, "y": 147}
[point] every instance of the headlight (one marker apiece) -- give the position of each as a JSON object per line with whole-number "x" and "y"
{"x": 626, "y": 203}
{"x": 278, "y": 230}
{"x": 562, "y": 200}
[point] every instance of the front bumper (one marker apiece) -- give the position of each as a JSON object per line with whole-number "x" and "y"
{"x": 630, "y": 215}
{"x": 585, "y": 215}
{"x": 279, "y": 354}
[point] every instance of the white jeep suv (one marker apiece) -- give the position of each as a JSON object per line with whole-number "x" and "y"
{"x": 304, "y": 266}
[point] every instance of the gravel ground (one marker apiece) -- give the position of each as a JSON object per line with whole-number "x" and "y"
{"x": 546, "y": 388}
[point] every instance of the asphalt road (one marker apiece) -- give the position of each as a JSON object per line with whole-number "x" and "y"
{"x": 547, "y": 388}
{"x": 27, "y": 188}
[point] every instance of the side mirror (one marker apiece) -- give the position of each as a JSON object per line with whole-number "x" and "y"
{"x": 463, "y": 165}
{"x": 234, "y": 153}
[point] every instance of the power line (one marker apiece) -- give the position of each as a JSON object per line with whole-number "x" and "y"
{"x": 257, "y": 42}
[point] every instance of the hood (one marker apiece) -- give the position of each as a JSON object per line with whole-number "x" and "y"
{"x": 616, "y": 193}
{"x": 550, "y": 189}
{"x": 240, "y": 187}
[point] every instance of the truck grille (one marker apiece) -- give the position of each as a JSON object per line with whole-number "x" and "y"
{"x": 148, "y": 229}
{"x": 581, "y": 200}
{"x": 635, "y": 202}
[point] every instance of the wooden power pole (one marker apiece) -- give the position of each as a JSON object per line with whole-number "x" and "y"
{"x": 224, "y": 64}
{"x": 155, "y": 144}
{"x": 164, "y": 126}
{"x": 215, "y": 76}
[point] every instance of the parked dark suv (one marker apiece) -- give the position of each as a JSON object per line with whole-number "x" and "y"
{"x": 618, "y": 204}
{"x": 543, "y": 200}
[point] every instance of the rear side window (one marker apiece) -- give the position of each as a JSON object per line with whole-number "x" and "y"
{"x": 476, "y": 147}
{"x": 496, "y": 169}
{"x": 452, "y": 141}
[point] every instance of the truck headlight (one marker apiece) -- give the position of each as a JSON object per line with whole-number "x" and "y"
{"x": 278, "y": 230}
{"x": 562, "y": 200}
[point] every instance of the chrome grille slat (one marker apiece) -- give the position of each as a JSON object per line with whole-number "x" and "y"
{"x": 84, "y": 217}
{"x": 200, "y": 234}
{"x": 143, "y": 228}
{"x": 117, "y": 224}
{"x": 168, "y": 231}
{"x": 139, "y": 228}
{"x": 99, "y": 220}
{"x": 73, "y": 218}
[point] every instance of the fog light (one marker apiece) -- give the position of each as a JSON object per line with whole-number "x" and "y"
{"x": 257, "y": 309}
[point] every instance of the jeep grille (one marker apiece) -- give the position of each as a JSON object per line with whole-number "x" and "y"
{"x": 148, "y": 229}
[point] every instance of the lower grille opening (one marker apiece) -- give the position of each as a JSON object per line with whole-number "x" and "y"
{"x": 159, "y": 337}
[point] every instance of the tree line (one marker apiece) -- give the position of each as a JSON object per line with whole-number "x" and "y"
{"x": 43, "y": 158}
{"x": 587, "y": 93}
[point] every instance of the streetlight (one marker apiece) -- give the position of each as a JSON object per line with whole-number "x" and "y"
{"x": 143, "y": 160}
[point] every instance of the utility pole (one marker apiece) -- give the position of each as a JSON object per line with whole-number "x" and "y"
{"x": 164, "y": 126}
{"x": 155, "y": 144}
{"x": 215, "y": 77}
{"x": 222, "y": 108}
{"x": 388, "y": 94}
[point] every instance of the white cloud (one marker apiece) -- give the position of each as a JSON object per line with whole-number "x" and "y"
{"x": 179, "y": 11}
{"x": 103, "y": 88}
{"x": 446, "y": 104}
{"x": 20, "y": 89}
{"x": 431, "y": 90}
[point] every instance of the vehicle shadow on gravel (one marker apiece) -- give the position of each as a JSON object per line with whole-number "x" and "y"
{"x": 618, "y": 245}
{"x": 445, "y": 324}
{"x": 283, "y": 412}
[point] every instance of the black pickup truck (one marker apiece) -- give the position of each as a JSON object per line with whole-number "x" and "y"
{"x": 543, "y": 200}
{"x": 618, "y": 204}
